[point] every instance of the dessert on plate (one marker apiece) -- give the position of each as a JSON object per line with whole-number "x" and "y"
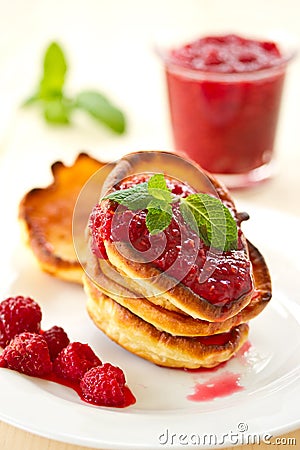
{"x": 170, "y": 297}
{"x": 168, "y": 273}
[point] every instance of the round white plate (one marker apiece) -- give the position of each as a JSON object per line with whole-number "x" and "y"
{"x": 163, "y": 416}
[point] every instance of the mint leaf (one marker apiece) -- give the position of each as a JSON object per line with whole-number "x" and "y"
{"x": 53, "y": 77}
{"x": 211, "y": 219}
{"x": 55, "y": 68}
{"x": 56, "y": 111}
{"x": 157, "y": 187}
{"x": 136, "y": 197}
{"x": 160, "y": 204}
{"x": 102, "y": 110}
{"x": 157, "y": 220}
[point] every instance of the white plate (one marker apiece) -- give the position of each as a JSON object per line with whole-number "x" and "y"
{"x": 162, "y": 415}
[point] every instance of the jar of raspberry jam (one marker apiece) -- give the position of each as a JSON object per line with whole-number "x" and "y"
{"x": 224, "y": 95}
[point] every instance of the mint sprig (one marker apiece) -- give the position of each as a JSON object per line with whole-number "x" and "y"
{"x": 205, "y": 214}
{"x": 58, "y": 108}
{"x": 211, "y": 219}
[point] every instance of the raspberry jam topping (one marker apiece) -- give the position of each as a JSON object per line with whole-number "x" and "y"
{"x": 227, "y": 54}
{"x": 219, "y": 277}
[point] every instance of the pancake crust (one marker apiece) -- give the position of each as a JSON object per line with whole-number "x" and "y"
{"x": 105, "y": 268}
{"x": 45, "y": 216}
{"x": 159, "y": 347}
{"x": 151, "y": 282}
{"x": 175, "y": 322}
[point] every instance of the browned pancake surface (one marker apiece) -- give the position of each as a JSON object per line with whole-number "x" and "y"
{"x": 46, "y": 217}
{"x": 159, "y": 347}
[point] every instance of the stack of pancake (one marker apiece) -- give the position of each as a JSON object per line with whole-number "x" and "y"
{"x": 138, "y": 307}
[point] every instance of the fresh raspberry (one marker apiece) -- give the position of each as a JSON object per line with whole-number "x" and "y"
{"x": 57, "y": 339}
{"x": 18, "y": 314}
{"x": 74, "y": 360}
{"x": 104, "y": 385}
{"x": 2, "y": 362}
{"x": 114, "y": 371}
{"x": 27, "y": 353}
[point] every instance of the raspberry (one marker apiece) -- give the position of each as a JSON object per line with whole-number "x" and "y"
{"x": 114, "y": 371}
{"x": 2, "y": 362}
{"x": 27, "y": 353}
{"x": 104, "y": 385}
{"x": 18, "y": 314}
{"x": 57, "y": 339}
{"x": 74, "y": 360}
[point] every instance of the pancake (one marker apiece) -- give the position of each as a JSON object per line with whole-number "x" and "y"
{"x": 176, "y": 322}
{"x": 151, "y": 283}
{"x": 45, "y": 216}
{"x": 159, "y": 347}
{"x": 105, "y": 268}
{"x": 144, "y": 278}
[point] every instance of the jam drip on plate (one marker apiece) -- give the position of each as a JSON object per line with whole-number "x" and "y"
{"x": 222, "y": 385}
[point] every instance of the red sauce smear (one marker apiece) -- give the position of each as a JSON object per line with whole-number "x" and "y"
{"x": 129, "y": 397}
{"x": 220, "y": 278}
{"x": 222, "y": 385}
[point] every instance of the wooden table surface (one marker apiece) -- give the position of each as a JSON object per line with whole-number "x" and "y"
{"x": 13, "y": 439}
{"x": 132, "y": 24}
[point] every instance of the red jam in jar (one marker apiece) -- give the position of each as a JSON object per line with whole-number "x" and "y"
{"x": 224, "y": 95}
{"x": 220, "y": 277}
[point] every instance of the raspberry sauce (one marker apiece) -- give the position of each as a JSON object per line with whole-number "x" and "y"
{"x": 129, "y": 397}
{"x": 218, "y": 277}
{"x": 221, "y": 385}
{"x": 224, "y": 95}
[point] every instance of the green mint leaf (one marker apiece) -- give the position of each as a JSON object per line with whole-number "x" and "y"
{"x": 56, "y": 112}
{"x": 136, "y": 197}
{"x": 102, "y": 110}
{"x": 55, "y": 68}
{"x": 157, "y": 187}
{"x": 157, "y": 220}
{"x": 211, "y": 219}
{"x": 160, "y": 204}
{"x": 157, "y": 181}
